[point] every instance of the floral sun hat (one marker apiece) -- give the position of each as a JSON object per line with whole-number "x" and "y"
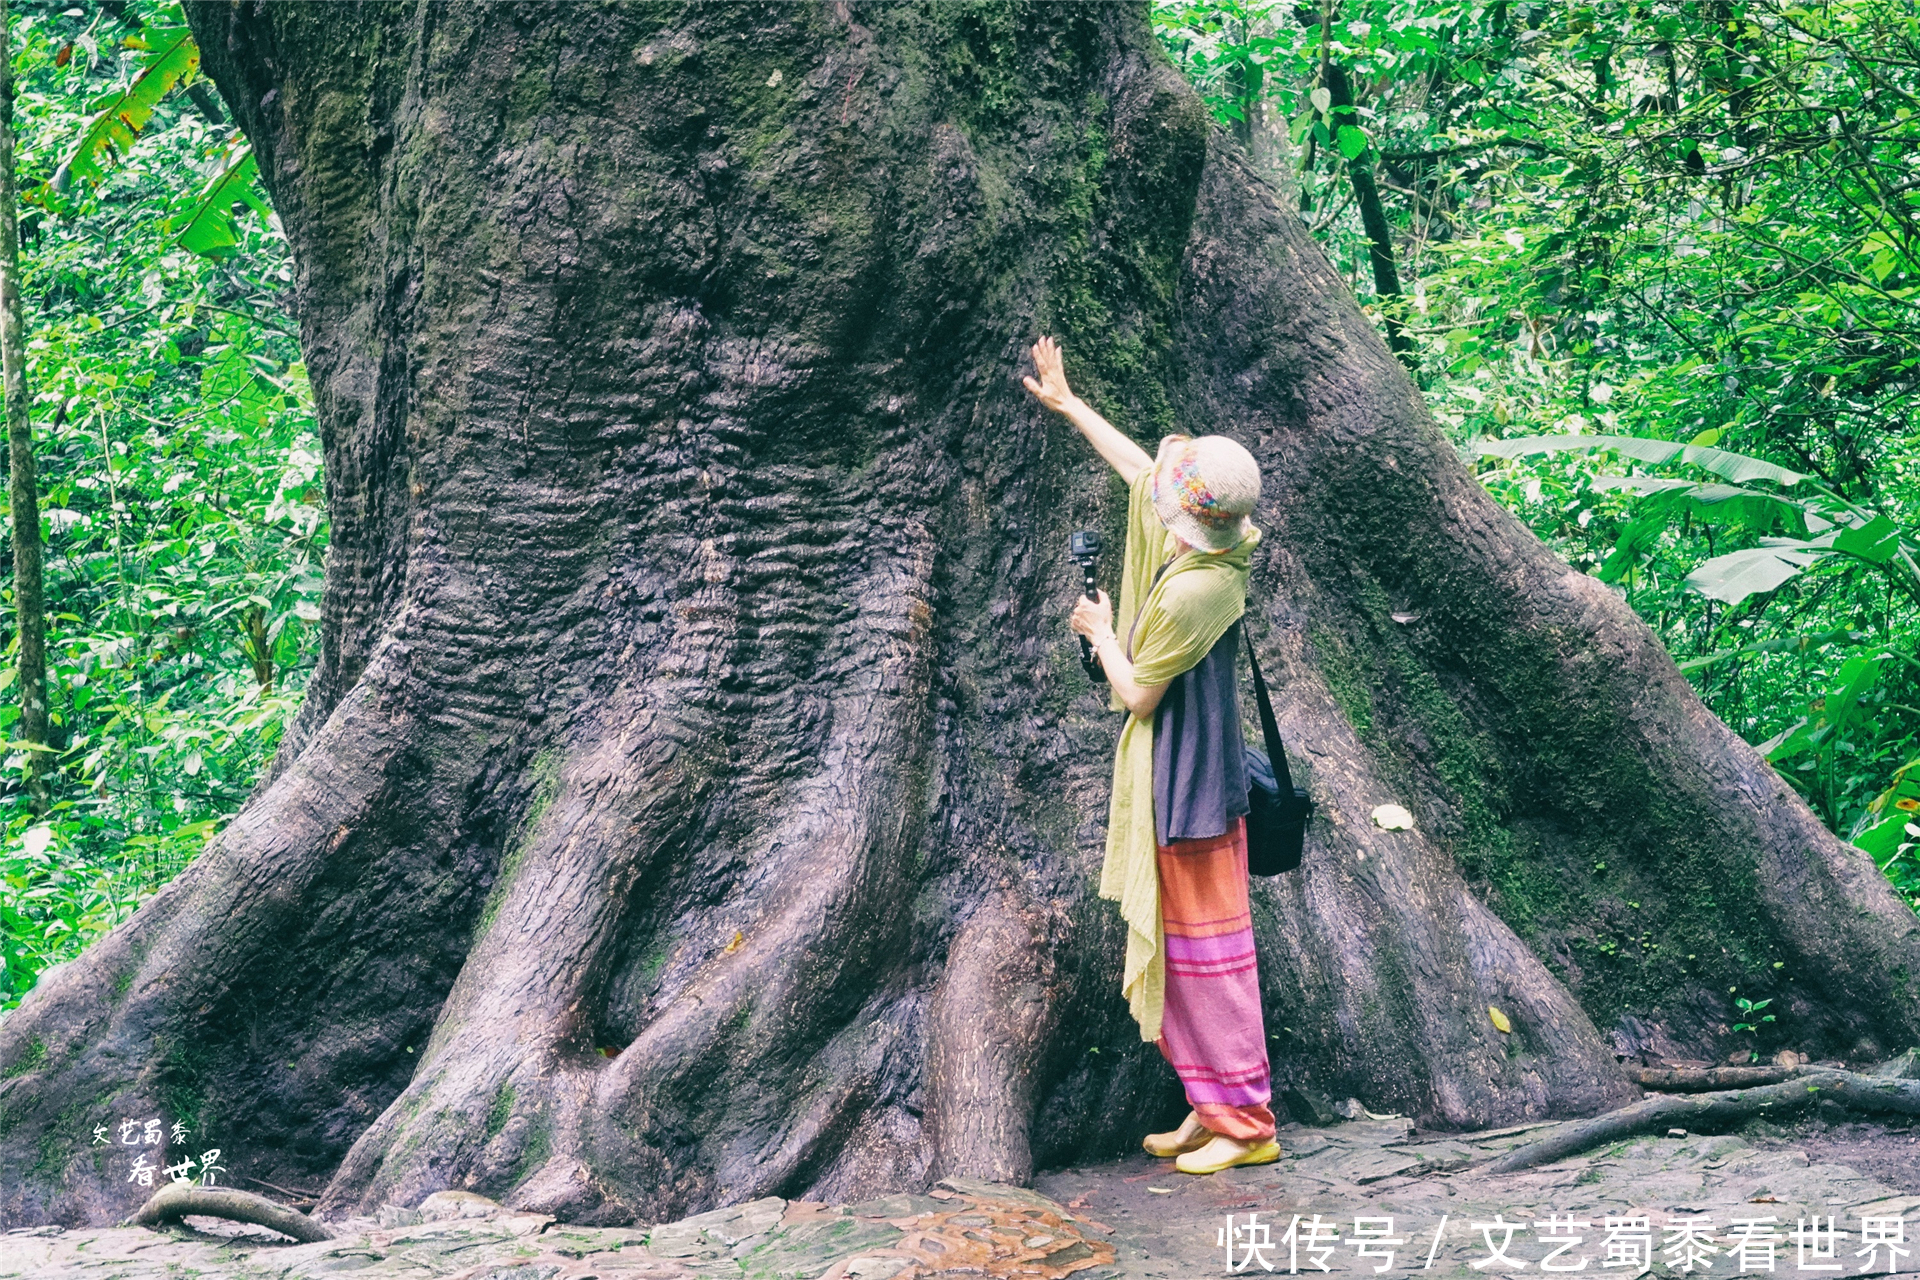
{"x": 1204, "y": 489}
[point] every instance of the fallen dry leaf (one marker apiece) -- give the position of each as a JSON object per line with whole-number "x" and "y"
{"x": 1391, "y": 817}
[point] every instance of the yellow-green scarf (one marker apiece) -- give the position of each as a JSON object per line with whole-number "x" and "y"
{"x": 1173, "y": 622}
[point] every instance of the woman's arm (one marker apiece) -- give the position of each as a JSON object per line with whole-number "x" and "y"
{"x": 1051, "y": 390}
{"x": 1094, "y": 620}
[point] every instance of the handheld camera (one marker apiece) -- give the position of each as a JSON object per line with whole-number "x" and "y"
{"x": 1084, "y": 547}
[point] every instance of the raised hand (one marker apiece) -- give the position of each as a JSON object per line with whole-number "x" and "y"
{"x": 1050, "y": 388}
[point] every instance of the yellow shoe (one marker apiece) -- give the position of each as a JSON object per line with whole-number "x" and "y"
{"x": 1224, "y": 1153}
{"x": 1190, "y": 1136}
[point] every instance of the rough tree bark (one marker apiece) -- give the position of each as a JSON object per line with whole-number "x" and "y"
{"x": 23, "y": 488}
{"x": 696, "y": 688}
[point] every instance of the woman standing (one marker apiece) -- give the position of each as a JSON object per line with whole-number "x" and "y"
{"x": 1176, "y": 830}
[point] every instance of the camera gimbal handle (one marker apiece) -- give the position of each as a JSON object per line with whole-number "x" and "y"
{"x": 1086, "y": 552}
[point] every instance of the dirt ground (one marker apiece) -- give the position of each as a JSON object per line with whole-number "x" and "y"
{"x": 1372, "y": 1197}
{"x": 1888, "y": 1154}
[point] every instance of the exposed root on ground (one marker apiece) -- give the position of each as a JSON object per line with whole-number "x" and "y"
{"x": 1707, "y": 1110}
{"x": 1709, "y": 1079}
{"x": 178, "y": 1199}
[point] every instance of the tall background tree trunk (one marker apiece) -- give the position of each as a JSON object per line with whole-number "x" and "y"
{"x": 1373, "y": 214}
{"x": 23, "y": 489}
{"x": 699, "y": 796}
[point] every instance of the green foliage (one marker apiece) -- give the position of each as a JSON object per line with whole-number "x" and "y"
{"x": 209, "y": 229}
{"x": 169, "y": 55}
{"x": 1658, "y": 266}
{"x": 1748, "y": 1010}
{"x": 180, "y": 481}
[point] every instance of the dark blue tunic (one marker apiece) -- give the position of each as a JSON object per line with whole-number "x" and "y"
{"x": 1199, "y": 756}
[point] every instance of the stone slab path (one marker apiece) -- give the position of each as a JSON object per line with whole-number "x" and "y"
{"x": 1388, "y": 1202}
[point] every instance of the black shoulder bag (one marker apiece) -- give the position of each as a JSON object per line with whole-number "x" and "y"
{"x": 1277, "y": 811}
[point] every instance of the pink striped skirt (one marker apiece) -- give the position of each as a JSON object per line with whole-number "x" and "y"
{"x": 1212, "y": 1031}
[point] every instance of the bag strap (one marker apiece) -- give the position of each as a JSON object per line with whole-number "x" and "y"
{"x": 1276, "y": 750}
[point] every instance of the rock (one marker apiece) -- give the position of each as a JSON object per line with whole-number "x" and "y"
{"x": 395, "y": 1215}
{"x": 442, "y": 1205}
{"x": 563, "y": 1186}
{"x": 1384, "y": 1130}
{"x": 1719, "y": 1148}
{"x": 1299, "y": 1147}
{"x": 1351, "y": 1109}
{"x": 710, "y": 1235}
{"x": 1904, "y": 1067}
{"x": 997, "y": 1191}
{"x": 580, "y": 1242}
{"x": 1441, "y": 1157}
{"x": 1309, "y": 1107}
{"x": 876, "y": 1268}
{"x": 898, "y": 1206}
{"x": 1370, "y": 1165}
{"x": 815, "y": 1246}
{"x": 680, "y": 1241}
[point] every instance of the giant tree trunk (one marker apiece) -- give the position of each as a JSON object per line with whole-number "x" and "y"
{"x": 696, "y": 683}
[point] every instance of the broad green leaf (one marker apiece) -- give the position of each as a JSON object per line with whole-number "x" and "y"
{"x": 1802, "y": 643}
{"x": 1738, "y": 574}
{"x": 1884, "y": 836}
{"x": 1884, "y": 826}
{"x": 1351, "y": 141}
{"x": 1786, "y": 744}
{"x": 1877, "y": 541}
{"x": 208, "y": 230}
{"x": 1857, "y": 675}
{"x": 124, "y": 114}
{"x": 1718, "y": 503}
{"x": 1829, "y": 715}
{"x": 1737, "y": 467}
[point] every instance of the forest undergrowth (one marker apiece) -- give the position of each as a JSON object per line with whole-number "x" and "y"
{"x": 1653, "y": 265}
{"x": 179, "y": 473}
